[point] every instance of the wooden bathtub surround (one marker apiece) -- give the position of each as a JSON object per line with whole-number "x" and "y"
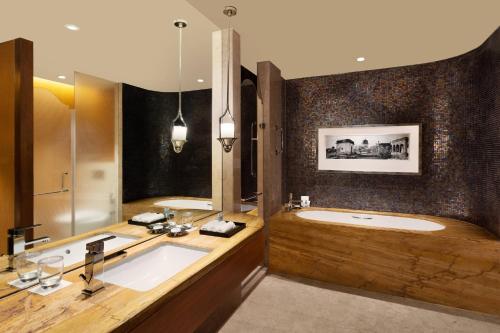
{"x": 16, "y": 137}
{"x": 458, "y": 266}
{"x": 226, "y": 189}
{"x": 187, "y": 301}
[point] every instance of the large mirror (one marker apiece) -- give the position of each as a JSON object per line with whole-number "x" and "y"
{"x": 105, "y": 97}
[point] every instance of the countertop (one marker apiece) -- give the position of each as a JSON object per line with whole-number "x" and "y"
{"x": 69, "y": 310}
{"x": 121, "y": 228}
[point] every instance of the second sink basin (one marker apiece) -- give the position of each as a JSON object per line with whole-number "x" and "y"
{"x": 74, "y": 252}
{"x": 152, "y": 267}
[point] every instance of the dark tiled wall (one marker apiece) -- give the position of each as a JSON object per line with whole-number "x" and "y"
{"x": 456, "y": 101}
{"x": 150, "y": 166}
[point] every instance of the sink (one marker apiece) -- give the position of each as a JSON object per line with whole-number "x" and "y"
{"x": 152, "y": 267}
{"x": 74, "y": 252}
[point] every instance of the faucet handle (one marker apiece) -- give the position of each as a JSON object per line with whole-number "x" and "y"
{"x": 20, "y": 231}
{"x": 97, "y": 246}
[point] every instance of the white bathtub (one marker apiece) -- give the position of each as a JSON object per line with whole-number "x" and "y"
{"x": 195, "y": 204}
{"x": 371, "y": 220}
{"x": 185, "y": 204}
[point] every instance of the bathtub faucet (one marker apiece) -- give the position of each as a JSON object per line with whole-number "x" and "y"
{"x": 291, "y": 204}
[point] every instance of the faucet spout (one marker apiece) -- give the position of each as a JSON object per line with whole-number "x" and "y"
{"x": 94, "y": 262}
{"x": 44, "y": 239}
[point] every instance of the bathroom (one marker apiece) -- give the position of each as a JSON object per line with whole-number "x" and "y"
{"x": 180, "y": 168}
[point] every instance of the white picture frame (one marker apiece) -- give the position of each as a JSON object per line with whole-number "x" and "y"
{"x": 387, "y": 149}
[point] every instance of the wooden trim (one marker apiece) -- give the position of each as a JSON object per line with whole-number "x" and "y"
{"x": 207, "y": 303}
{"x": 16, "y": 140}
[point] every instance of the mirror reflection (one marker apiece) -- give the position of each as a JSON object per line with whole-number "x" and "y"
{"x": 103, "y": 152}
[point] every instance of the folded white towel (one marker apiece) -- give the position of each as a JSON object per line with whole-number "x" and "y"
{"x": 148, "y": 217}
{"x": 219, "y": 226}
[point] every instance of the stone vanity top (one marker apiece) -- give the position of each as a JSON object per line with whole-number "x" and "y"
{"x": 68, "y": 310}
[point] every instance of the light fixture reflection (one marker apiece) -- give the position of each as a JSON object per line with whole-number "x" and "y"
{"x": 179, "y": 127}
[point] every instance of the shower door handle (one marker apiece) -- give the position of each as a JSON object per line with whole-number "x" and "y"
{"x": 280, "y": 148}
{"x": 252, "y": 149}
{"x": 62, "y": 190}
{"x": 63, "y": 176}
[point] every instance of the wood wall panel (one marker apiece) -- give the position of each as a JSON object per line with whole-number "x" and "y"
{"x": 16, "y": 136}
{"x": 270, "y": 136}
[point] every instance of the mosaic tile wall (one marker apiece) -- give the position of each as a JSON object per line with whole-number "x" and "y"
{"x": 150, "y": 166}
{"x": 456, "y": 101}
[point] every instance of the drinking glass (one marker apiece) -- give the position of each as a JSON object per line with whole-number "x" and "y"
{"x": 26, "y": 266}
{"x": 187, "y": 218}
{"x": 50, "y": 271}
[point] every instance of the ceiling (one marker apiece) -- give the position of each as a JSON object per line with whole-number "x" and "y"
{"x": 318, "y": 37}
{"x": 135, "y": 41}
{"x": 123, "y": 41}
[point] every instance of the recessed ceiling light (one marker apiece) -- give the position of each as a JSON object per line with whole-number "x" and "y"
{"x": 200, "y": 80}
{"x": 72, "y": 27}
{"x": 360, "y": 59}
{"x": 61, "y": 77}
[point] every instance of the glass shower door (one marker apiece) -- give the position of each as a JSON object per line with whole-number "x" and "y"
{"x": 52, "y": 116}
{"x": 96, "y": 163}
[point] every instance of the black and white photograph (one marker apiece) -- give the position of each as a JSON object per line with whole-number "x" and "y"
{"x": 390, "y": 149}
{"x": 381, "y": 147}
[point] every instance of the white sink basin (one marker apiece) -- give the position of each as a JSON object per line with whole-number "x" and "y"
{"x": 75, "y": 251}
{"x": 152, "y": 267}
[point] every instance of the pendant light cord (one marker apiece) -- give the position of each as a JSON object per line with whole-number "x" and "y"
{"x": 180, "y": 74}
{"x": 228, "y": 60}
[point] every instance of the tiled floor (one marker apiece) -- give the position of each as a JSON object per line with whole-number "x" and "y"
{"x": 281, "y": 305}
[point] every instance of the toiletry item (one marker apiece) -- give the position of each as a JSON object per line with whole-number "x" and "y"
{"x": 304, "y": 201}
{"x": 166, "y": 212}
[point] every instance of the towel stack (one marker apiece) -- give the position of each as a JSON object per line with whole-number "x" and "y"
{"x": 148, "y": 217}
{"x": 219, "y": 226}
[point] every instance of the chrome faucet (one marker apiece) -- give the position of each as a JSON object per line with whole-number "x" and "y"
{"x": 17, "y": 242}
{"x": 94, "y": 262}
{"x": 291, "y": 204}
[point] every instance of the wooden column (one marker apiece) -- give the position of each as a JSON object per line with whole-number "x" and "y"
{"x": 226, "y": 167}
{"x": 16, "y": 136}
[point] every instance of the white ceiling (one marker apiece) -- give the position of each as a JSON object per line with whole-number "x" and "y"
{"x": 319, "y": 37}
{"x": 123, "y": 41}
{"x": 135, "y": 41}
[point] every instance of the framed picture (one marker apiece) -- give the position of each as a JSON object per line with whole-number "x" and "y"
{"x": 391, "y": 149}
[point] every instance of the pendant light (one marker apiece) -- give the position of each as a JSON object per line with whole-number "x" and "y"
{"x": 179, "y": 127}
{"x": 226, "y": 121}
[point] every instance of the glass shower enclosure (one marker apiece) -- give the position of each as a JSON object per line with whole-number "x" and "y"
{"x": 76, "y": 156}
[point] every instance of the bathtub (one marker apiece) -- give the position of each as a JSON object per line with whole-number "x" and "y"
{"x": 195, "y": 204}
{"x": 371, "y": 220}
{"x": 185, "y": 204}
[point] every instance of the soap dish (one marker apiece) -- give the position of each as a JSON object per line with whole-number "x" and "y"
{"x": 239, "y": 226}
